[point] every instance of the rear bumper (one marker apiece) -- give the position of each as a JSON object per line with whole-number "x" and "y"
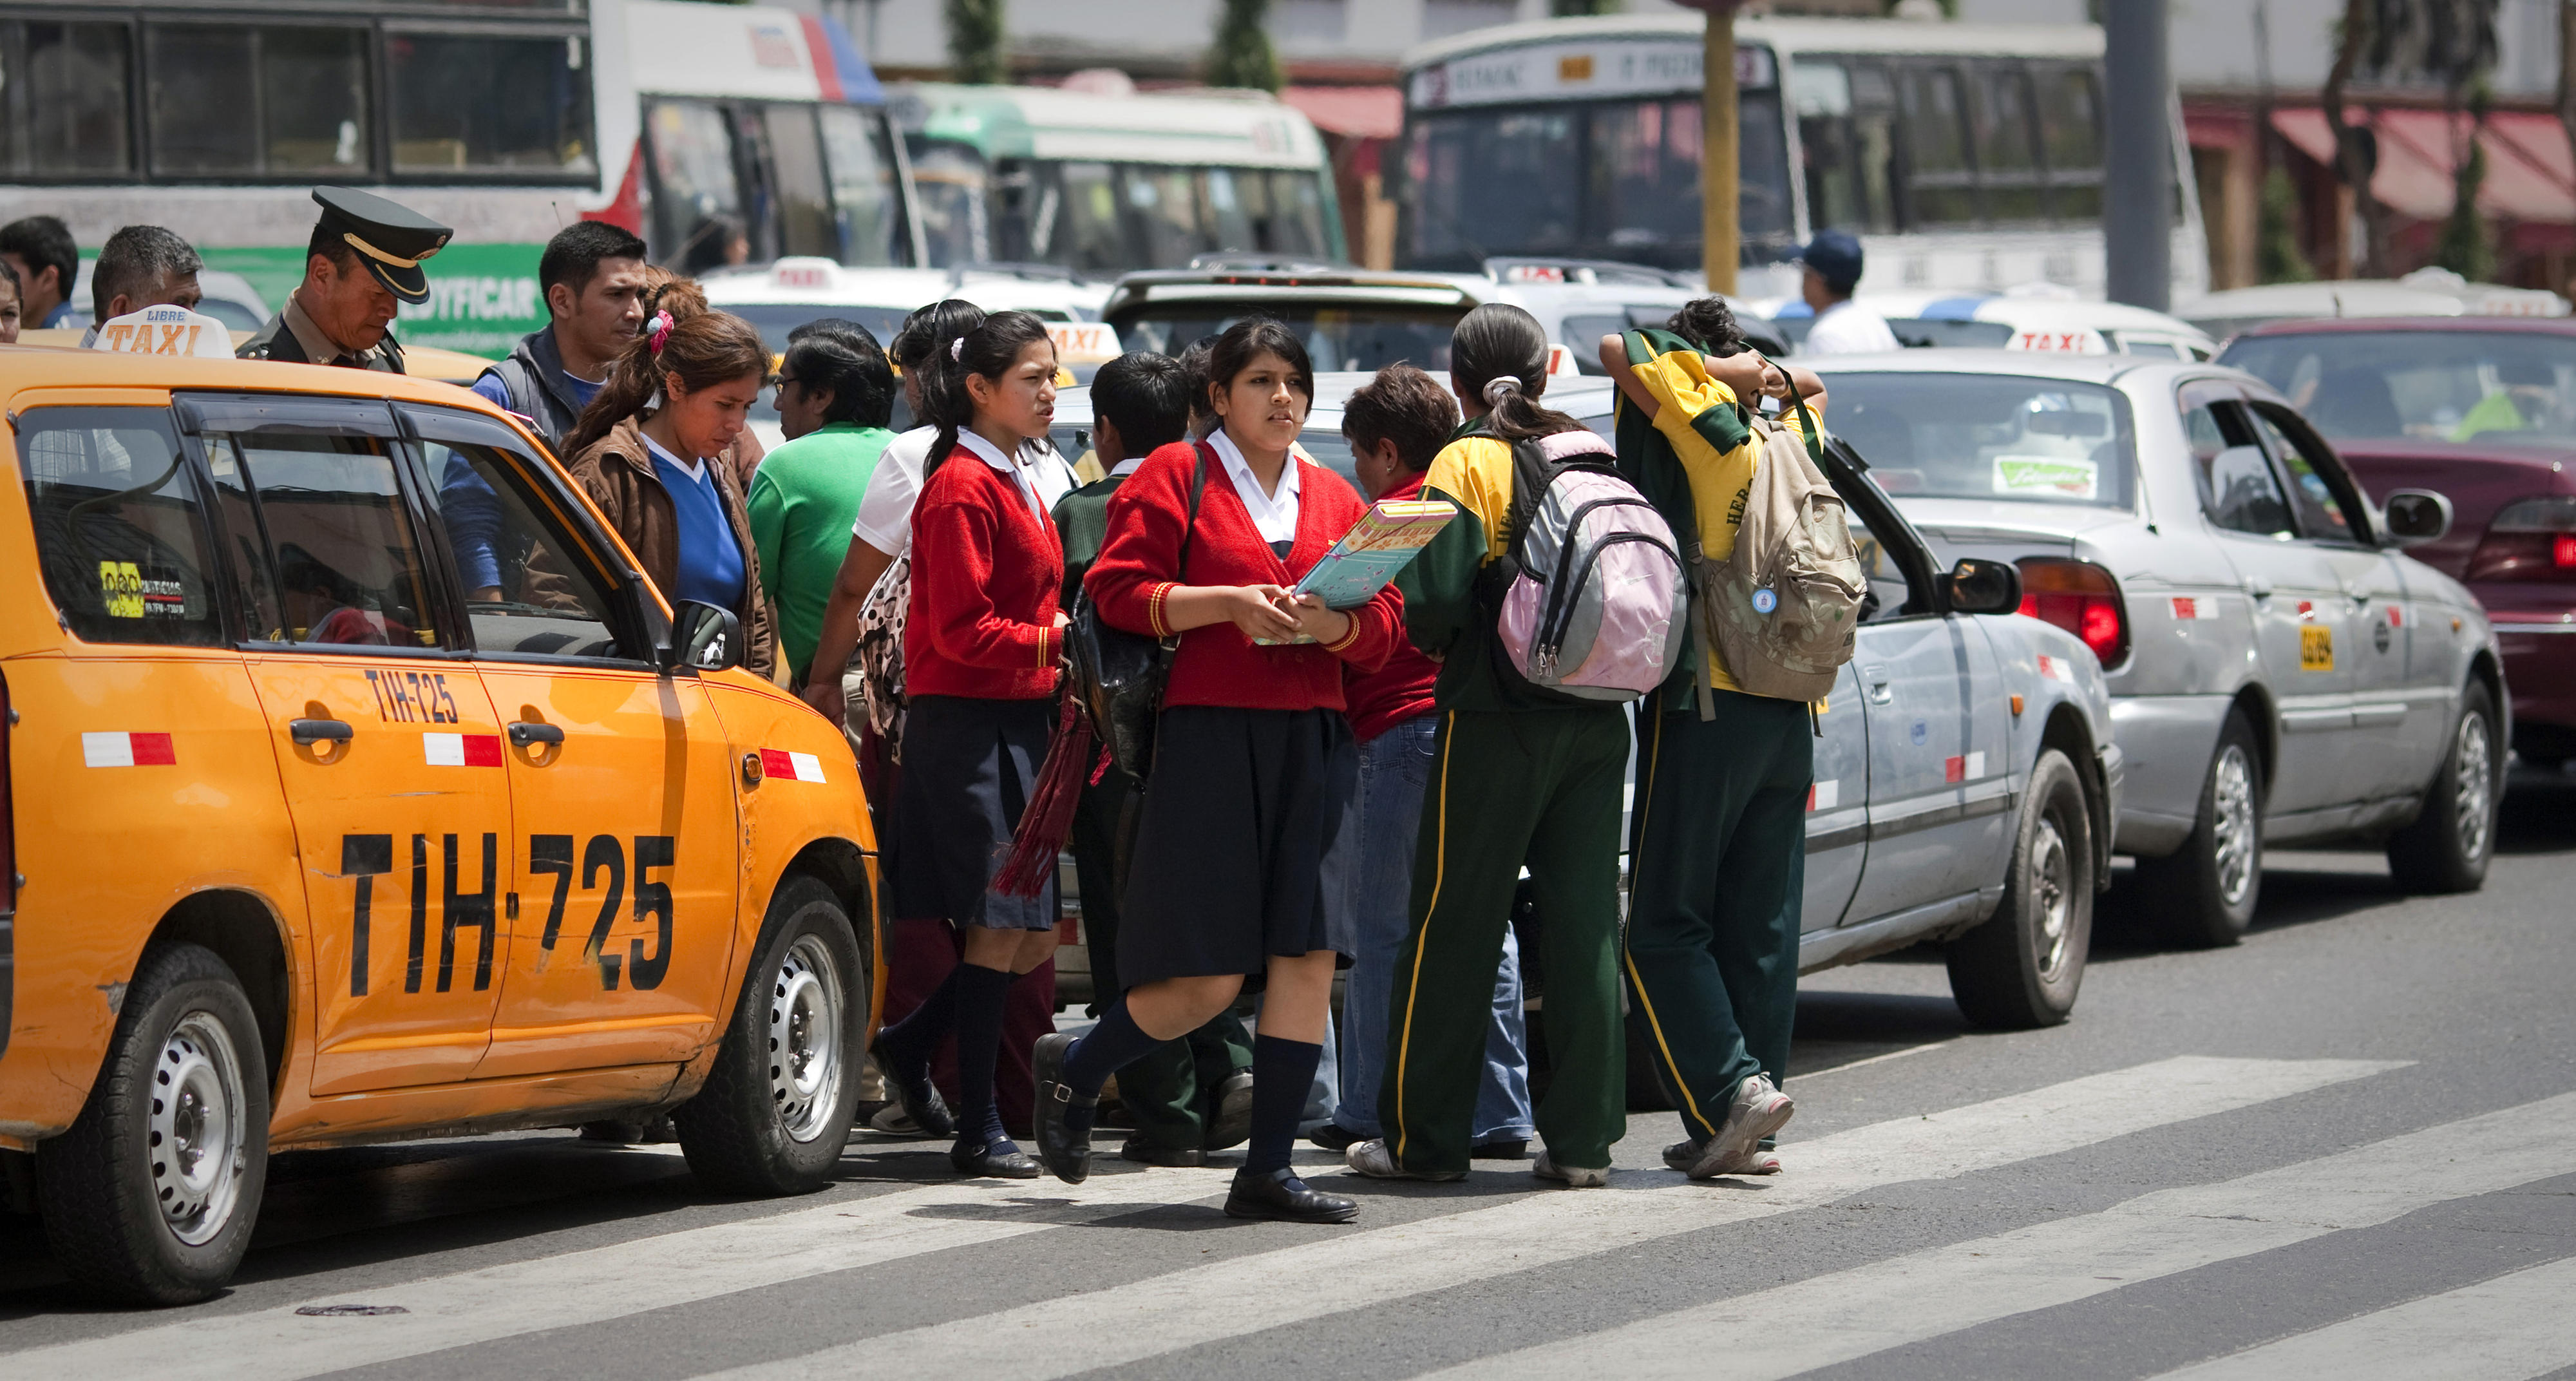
{"x": 2165, "y": 742}
{"x": 2539, "y": 672}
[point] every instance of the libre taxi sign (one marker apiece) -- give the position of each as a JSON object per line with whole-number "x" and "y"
{"x": 166, "y": 331}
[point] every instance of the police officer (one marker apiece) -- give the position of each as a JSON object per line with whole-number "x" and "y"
{"x": 365, "y": 253}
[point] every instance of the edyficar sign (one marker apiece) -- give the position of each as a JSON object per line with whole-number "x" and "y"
{"x": 482, "y": 298}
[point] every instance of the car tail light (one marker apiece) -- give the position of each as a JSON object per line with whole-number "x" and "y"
{"x": 2081, "y": 598}
{"x": 2529, "y": 539}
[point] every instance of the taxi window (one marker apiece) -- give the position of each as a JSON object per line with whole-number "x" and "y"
{"x": 528, "y": 590}
{"x": 2321, "y": 515}
{"x": 120, "y": 531}
{"x": 342, "y": 563}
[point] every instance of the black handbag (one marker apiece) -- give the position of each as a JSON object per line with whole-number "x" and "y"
{"x": 1120, "y": 675}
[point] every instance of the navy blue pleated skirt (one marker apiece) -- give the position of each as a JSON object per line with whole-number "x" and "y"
{"x": 968, "y": 766}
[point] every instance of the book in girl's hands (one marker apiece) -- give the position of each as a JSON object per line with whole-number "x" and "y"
{"x": 1380, "y": 544}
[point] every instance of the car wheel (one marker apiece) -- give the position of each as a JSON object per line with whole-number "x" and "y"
{"x": 2448, "y": 846}
{"x": 150, "y": 1197}
{"x": 2022, "y": 967}
{"x": 2206, "y": 890}
{"x": 776, "y": 1108}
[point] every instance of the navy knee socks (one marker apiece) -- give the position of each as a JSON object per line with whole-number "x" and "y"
{"x": 981, "y": 993}
{"x": 914, "y": 1038}
{"x": 1283, "y": 1072}
{"x": 1116, "y": 1042}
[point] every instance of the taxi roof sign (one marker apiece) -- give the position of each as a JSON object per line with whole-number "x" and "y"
{"x": 166, "y": 330}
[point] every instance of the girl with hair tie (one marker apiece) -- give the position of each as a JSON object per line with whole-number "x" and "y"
{"x": 979, "y": 653}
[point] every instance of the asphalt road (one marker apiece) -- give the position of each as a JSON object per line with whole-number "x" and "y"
{"x": 2346, "y": 1146}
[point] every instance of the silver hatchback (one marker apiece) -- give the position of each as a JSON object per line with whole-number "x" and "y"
{"x": 2279, "y": 671}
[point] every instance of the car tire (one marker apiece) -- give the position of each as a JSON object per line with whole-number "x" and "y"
{"x": 150, "y": 1197}
{"x": 2448, "y": 846}
{"x": 2022, "y": 967}
{"x": 2204, "y": 892}
{"x": 776, "y": 1109}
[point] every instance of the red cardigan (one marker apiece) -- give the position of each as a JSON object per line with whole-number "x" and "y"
{"x": 987, "y": 574}
{"x": 1217, "y": 664}
{"x": 1401, "y": 689}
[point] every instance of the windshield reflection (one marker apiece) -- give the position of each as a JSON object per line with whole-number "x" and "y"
{"x": 2514, "y": 388}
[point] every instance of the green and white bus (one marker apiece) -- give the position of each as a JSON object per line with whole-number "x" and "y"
{"x": 716, "y": 131}
{"x": 1967, "y": 157}
{"x": 1104, "y": 184}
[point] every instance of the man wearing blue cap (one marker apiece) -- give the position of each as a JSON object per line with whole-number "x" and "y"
{"x": 1843, "y": 327}
{"x": 362, "y": 263}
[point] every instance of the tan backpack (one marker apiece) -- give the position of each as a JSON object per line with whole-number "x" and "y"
{"x": 1782, "y": 610}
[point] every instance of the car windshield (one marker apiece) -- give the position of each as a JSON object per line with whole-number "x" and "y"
{"x": 2513, "y": 388}
{"x": 1987, "y": 436}
{"x": 1338, "y": 336}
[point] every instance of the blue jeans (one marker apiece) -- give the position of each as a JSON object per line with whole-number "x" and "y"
{"x": 1394, "y": 768}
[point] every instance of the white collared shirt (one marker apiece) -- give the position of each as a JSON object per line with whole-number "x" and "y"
{"x": 1274, "y": 515}
{"x": 1847, "y": 328}
{"x": 694, "y": 469}
{"x": 1129, "y": 466}
{"x": 1014, "y": 466}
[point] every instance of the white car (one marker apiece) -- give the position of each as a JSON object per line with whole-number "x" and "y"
{"x": 2027, "y": 320}
{"x": 2425, "y": 292}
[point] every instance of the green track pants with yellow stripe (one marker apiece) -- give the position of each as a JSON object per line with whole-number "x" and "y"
{"x": 1538, "y": 789}
{"x": 1717, "y": 879}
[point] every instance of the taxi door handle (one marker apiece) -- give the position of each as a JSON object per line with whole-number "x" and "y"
{"x": 523, "y": 733}
{"x": 2258, "y": 587}
{"x": 1881, "y": 692}
{"x": 312, "y": 731}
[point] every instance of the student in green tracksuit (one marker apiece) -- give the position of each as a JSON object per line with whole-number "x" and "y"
{"x": 1717, "y": 857}
{"x": 1192, "y": 1095}
{"x": 1517, "y": 781}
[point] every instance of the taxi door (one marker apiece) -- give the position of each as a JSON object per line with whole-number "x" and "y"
{"x": 389, "y": 753}
{"x": 622, "y": 930}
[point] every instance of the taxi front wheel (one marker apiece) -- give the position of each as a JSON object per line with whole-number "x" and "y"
{"x": 776, "y": 1108}
{"x": 150, "y": 1197}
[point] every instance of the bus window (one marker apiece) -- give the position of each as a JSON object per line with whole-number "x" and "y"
{"x": 948, "y": 181}
{"x": 867, "y": 197}
{"x": 1943, "y": 189}
{"x": 1086, "y": 235}
{"x": 1645, "y": 173}
{"x": 804, "y": 198}
{"x": 488, "y": 103}
{"x": 2071, "y": 132}
{"x": 65, "y": 97}
{"x": 2007, "y": 152}
{"x": 1488, "y": 182}
{"x": 697, "y": 196}
{"x": 230, "y": 99}
{"x": 1166, "y": 200}
{"x": 1847, "y": 132}
{"x": 1762, "y": 171}
{"x": 1235, "y": 199}
{"x": 1296, "y": 220}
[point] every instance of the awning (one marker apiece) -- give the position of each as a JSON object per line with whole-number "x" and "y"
{"x": 1359, "y": 112}
{"x": 2531, "y": 176}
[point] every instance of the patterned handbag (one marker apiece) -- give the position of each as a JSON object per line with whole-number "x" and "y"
{"x": 879, "y": 656}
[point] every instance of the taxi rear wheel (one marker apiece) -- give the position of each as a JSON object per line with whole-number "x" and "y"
{"x": 2206, "y": 892}
{"x": 2447, "y": 847}
{"x": 776, "y": 1108}
{"x": 150, "y": 1197}
{"x": 2022, "y": 967}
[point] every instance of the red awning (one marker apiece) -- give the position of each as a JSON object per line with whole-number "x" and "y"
{"x": 2531, "y": 176}
{"x": 1361, "y": 112}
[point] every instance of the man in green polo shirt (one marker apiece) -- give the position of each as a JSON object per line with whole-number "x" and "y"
{"x": 835, "y": 395}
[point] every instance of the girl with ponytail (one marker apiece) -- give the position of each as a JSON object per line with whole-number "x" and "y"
{"x": 979, "y": 664}
{"x": 652, "y": 451}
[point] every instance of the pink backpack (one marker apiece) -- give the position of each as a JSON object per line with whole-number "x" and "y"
{"x": 1591, "y": 600}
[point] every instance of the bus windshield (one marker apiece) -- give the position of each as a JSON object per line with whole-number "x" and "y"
{"x": 1106, "y": 218}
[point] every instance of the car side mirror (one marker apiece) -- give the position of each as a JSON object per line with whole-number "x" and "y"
{"x": 704, "y": 638}
{"x": 1979, "y": 586}
{"x": 2413, "y": 517}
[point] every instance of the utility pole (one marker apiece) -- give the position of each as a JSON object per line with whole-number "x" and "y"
{"x": 2138, "y": 165}
{"x": 1719, "y": 170}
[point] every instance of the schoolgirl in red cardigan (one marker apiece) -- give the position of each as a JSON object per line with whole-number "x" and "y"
{"x": 979, "y": 660}
{"x": 1240, "y": 834}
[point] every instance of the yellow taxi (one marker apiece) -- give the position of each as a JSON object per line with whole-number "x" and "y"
{"x": 357, "y": 788}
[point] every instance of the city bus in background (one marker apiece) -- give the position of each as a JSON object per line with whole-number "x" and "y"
{"x": 1966, "y": 157}
{"x": 720, "y": 133}
{"x": 1100, "y": 183}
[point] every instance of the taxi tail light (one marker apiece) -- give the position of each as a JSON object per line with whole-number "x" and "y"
{"x": 2081, "y": 598}
{"x": 2529, "y": 539}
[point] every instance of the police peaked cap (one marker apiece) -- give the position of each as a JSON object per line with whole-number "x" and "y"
{"x": 391, "y": 239}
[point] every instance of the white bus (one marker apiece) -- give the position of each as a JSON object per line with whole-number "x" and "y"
{"x": 1967, "y": 157}
{"x": 718, "y": 132}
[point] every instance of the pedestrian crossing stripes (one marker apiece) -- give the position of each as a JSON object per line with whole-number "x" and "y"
{"x": 2506, "y": 1329}
{"x": 1063, "y": 1336}
{"x": 1887, "y": 1304}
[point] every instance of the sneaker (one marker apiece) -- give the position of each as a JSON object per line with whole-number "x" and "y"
{"x": 1232, "y": 1125}
{"x": 1572, "y": 1176}
{"x": 1376, "y": 1160}
{"x": 1682, "y": 1155}
{"x": 1757, "y": 1110}
{"x": 894, "y": 1121}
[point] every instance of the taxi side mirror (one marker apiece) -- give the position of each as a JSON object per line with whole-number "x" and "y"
{"x": 1978, "y": 586}
{"x": 2416, "y": 516}
{"x": 704, "y": 638}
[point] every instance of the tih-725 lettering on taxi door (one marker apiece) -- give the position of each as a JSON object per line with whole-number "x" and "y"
{"x": 366, "y": 857}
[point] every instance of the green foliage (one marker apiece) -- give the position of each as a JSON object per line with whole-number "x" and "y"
{"x": 2277, "y": 258}
{"x": 975, "y": 41}
{"x": 2464, "y": 247}
{"x": 1578, "y": 9}
{"x": 1242, "y": 55}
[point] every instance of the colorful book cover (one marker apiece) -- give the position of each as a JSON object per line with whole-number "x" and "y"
{"x": 1377, "y": 546}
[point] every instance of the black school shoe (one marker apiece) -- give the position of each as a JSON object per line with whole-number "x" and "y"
{"x": 1232, "y": 1124}
{"x": 999, "y": 1160}
{"x": 1067, "y": 1154}
{"x": 1279, "y": 1196}
{"x": 1334, "y": 1137}
{"x": 909, "y": 1080}
{"x": 1144, "y": 1150}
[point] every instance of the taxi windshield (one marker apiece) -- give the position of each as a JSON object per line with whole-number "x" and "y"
{"x": 1337, "y": 335}
{"x": 1987, "y": 436}
{"x": 2512, "y": 388}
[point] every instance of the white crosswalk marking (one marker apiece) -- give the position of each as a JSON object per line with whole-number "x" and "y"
{"x": 1365, "y": 1268}
{"x": 609, "y": 1282}
{"x": 1834, "y": 1318}
{"x": 2506, "y": 1329}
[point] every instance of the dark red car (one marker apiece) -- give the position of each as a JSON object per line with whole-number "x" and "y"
{"x": 2481, "y": 410}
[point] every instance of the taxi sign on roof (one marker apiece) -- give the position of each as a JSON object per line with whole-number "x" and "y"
{"x": 1083, "y": 342}
{"x": 2076, "y": 342}
{"x": 166, "y": 330}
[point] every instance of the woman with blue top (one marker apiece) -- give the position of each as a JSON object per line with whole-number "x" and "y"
{"x": 650, "y": 451}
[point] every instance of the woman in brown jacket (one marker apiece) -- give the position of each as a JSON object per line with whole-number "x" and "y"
{"x": 650, "y": 450}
